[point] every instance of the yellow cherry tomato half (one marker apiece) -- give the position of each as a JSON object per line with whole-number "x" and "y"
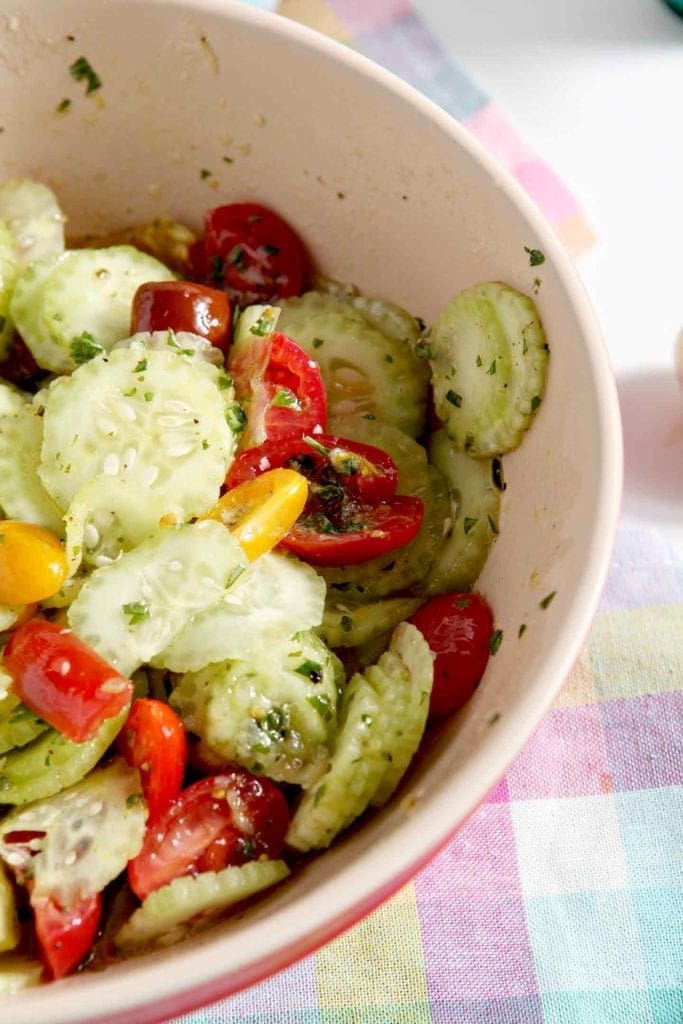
{"x": 261, "y": 511}
{"x": 33, "y": 563}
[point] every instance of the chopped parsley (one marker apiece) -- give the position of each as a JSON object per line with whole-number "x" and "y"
{"x": 522, "y": 630}
{"x": 319, "y": 793}
{"x": 246, "y": 847}
{"x": 493, "y": 526}
{"x": 424, "y": 351}
{"x": 366, "y": 719}
{"x": 62, "y": 107}
{"x": 284, "y": 399}
{"x": 205, "y": 173}
{"x": 217, "y": 269}
{"x": 469, "y": 442}
{"x": 136, "y": 612}
{"x": 274, "y": 724}
{"x": 454, "y": 398}
{"x": 537, "y": 285}
{"x": 228, "y": 160}
{"x": 130, "y": 393}
{"x": 469, "y": 523}
{"x": 547, "y": 600}
{"x": 224, "y": 382}
{"x": 141, "y": 366}
{"x": 149, "y": 395}
{"x": 82, "y": 71}
{"x": 84, "y": 348}
{"x": 495, "y": 641}
{"x": 312, "y": 670}
{"x": 497, "y": 474}
{"x": 237, "y": 258}
{"x": 535, "y": 402}
{"x": 134, "y": 800}
{"x": 236, "y": 418}
{"x": 322, "y": 706}
{"x": 263, "y": 326}
{"x": 346, "y": 623}
{"x": 317, "y": 342}
{"x": 492, "y": 368}
{"x": 272, "y": 250}
{"x": 536, "y": 257}
{"x": 494, "y": 718}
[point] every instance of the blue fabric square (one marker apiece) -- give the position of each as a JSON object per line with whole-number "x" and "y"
{"x": 597, "y": 1008}
{"x": 659, "y": 914}
{"x": 667, "y": 1005}
{"x": 585, "y": 941}
{"x": 651, "y": 826}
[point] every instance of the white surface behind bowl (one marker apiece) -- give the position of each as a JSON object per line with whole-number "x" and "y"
{"x": 424, "y": 213}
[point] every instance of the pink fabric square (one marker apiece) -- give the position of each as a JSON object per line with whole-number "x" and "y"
{"x": 365, "y": 15}
{"x": 481, "y": 857}
{"x": 547, "y": 190}
{"x": 566, "y": 756}
{"x": 492, "y": 128}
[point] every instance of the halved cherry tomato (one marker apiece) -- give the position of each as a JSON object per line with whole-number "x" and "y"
{"x": 63, "y": 680}
{"x": 365, "y": 471}
{"x": 19, "y": 367}
{"x": 259, "y": 512}
{"x": 183, "y": 306}
{"x": 458, "y": 629}
{"x": 65, "y": 934}
{"x": 153, "y": 740}
{"x": 33, "y": 563}
{"x": 280, "y": 388}
{"x": 221, "y": 820}
{"x": 251, "y": 253}
{"x": 354, "y": 532}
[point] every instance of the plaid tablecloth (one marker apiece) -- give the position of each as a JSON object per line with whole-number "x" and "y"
{"x": 561, "y": 900}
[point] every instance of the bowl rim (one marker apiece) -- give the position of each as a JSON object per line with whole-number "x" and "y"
{"x": 166, "y": 992}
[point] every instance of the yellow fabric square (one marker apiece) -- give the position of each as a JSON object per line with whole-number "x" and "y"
{"x": 637, "y": 651}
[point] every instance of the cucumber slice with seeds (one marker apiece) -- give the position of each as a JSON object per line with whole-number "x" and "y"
{"x": 18, "y": 724}
{"x": 51, "y": 763}
{"x": 155, "y": 418}
{"x": 475, "y": 515}
{"x": 188, "y": 903}
{"x": 8, "y": 277}
{"x": 17, "y": 973}
{"x": 9, "y": 922}
{"x": 34, "y": 219}
{"x": 71, "y": 308}
{"x": 489, "y": 359}
{"x": 383, "y": 715}
{"x": 131, "y": 610}
{"x": 91, "y": 831}
{"x": 389, "y": 318}
{"x": 366, "y": 371}
{"x": 22, "y": 494}
{"x": 345, "y": 626}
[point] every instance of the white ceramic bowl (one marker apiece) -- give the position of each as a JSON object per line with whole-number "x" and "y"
{"x": 388, "y": 192}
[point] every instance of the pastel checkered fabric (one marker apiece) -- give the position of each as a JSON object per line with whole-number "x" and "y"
{"x": 561, "y": 900}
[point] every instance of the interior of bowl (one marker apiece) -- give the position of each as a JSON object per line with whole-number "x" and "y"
{"x": 387, "y": 192}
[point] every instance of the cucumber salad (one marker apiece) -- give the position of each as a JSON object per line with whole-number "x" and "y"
{"x": 243, "y": 512}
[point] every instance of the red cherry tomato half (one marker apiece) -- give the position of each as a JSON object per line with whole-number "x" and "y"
{"x": 458, "y": 629}
{"x": 251, "y": 253}
{"x": 182, "y": 306}
{"x": 363, "y": 470}
{"x": 65, "y": 934}
{"x": 280, "y": 389}
{"x": 153, "y": 740}
{"x": 359, "y": 533}
{"x": 221, "y": 820}
{"x": 19, "y": 367}
{"x": 63, "y": 680}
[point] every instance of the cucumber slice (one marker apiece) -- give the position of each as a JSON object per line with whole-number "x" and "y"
{"x": 489, "y": 359}
{"x": 345, "y": 626}
{"x": 66, "y": 594}
{"x": 253, "y": 322}
{"x": 9, "y": 615}
{"x": 91, "y": 832}
{"x": 403, "y": 679}
{"x": 274, "y": 598}
{"x": 405, "y": 568}
{"x": 9, "y": 923}
{"x": 18, "y": 724}
{"x": 367, "y": 372}
{"x": 187, "y": 903}
{"x": 79, "y": 304}
{"x": 8, "y": 277}
{"x": 22, "y": 495}
{"x": 274, "y": 715}
{"x": 16, "y": 973}
{"x": 51, "y": 763}
{"x": 190, "y": 346}
{"x": 33, "y": 216}
{"x": 387, "y": 317}
{"x": 163, "y": 238}
{"x": 475, "y": 515}
{"x": 383, "y": 715}
{"x": 131, "y": 610}
{"x": 155, "y": 418}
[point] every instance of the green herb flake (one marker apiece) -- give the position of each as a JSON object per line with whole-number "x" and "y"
{"x": 536, "y": 257}
{"x": 205, "y": 444}
{"x": 469, "y": 442}
{"x": 479, "y": 361}
{"x": 262, "y": 327}
{"x": 521, "y": 631}
{"x": 497, "y": 474}
{"x": 284, "y": 399}
{"x": 246, "y": 847}
{"x": 224, "y": 382}
{"x": 82, "y": 71}
{"x": 495, "y": 717}
{"x": 134, "y": 800}
{"x": 228, "y": 160}
{"x": 525, "y": 346}
{"x": 217, "y": 269}
{"x": 495, "y": 641}
{"x": 493, "y": 526}
{"x": 205, "y": 173}
{"x": 317, "y": 342}
{"x": 148, "y": 396}
{"x": 366, "y": 719}
{"x": 237, "y": 258}
{"x": 421, "y": 325}
{"x": 312, "y": 670}
{"x": 62, "y": 107}
{"x": 272, "y": 250}
{"x": 346, "y": 623}
{"x": 130, "y": 393}
{"x": 537, "y": 285}
{"x": 492, "y": 369}
{"x": 469, "y": 523}
{"x": 84, "y": 348}
{"x": 141, "y": 366}
{"x": 319, "y": 793}
{"x": 424, "y": 351}
{"x": 547, "y": 600}
{"x": 136, "y": 612}
{"x": 236, "y": 418}
{"x": 322, "y": 706}
{"x": 454, "y": 398}
{"x": 535, "y": 402}
{"x": 462, "y": 602}
{"x": 388, "y": 359}
{"x": 274, "y": 724}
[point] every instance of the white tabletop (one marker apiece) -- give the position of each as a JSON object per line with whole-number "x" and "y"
{"x": 596, "y": 86}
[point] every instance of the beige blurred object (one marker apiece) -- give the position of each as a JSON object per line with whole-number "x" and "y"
{"x": 315, "y": 14}
{"x": 678, "y": 357}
